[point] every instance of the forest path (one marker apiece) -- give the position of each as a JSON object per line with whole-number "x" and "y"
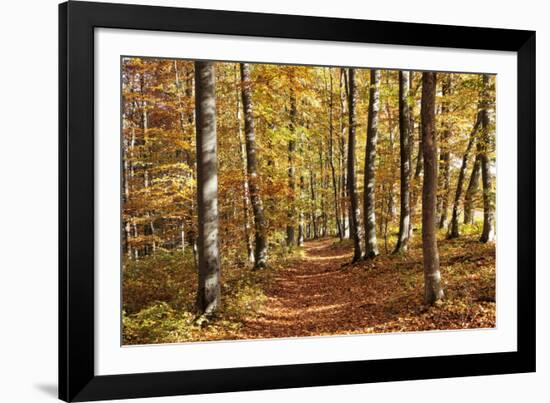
{"x": 317, "y": 294}
{"x": 314, "y": 295}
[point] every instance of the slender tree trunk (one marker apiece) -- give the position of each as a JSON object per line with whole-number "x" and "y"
{"x": 331, "y": 160}
{"x": 415, "y": 182}
{"x": 150, "y": 228}
{"x": 344, "y": 184}
{"x": 246, "y": 195}
{"x": 371, "y": 243}
{"x": 483, "y": 148}
{"x": 301, "y": 220}
{"x": 405, "y": 167}
{"x": 126, "y": 174}
{"x": 445, "y": 155}
{"x": 352, "y": 181}
{"x": 471, "y": 192}
{"x": 433, "y": 290}
{"x": 313, "y": 203}
{"x": 322, "y": 193}
{"x": 209, "y": 291}
{"x": 260, "y": 249}
{"x": 290, "y": 237}
{"x": 454, "y": 231}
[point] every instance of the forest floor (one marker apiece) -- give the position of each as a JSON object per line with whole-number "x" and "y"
{"x": 314, "y": 291}
{"x": 318, "y": 294}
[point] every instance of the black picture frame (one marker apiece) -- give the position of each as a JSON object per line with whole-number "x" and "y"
{"x": 77, "y": 379}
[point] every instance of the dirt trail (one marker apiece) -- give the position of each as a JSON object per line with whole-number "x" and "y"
{"x": 316, "y": 295}
{"x": 312, "y": 296}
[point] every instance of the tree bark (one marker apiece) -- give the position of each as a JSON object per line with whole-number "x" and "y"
{"x": 433, "y": 290}
{"x": 445, "y": 155}
{"x": 454, "y": 231}
{"x": 301, "y": 220}
{"x": 209, "y": 291}
{"x": 246, "y": 192}
{"x": 331, "y": 160}
{"x": 405, "y": 165}
{"x": 260, "y": 237}
{"x": 352, "y": 181}
{"x": 483, "y": 148}
{"x": 471, "y": 192}
{"x": 346, "y": 220}
{"x": 415, "y": 188}
{"x": 371, "y": 243}
{"x": 290, "y": 237}
{"x": 313, "y": 203}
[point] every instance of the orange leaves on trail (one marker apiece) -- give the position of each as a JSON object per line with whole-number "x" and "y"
{"x": 317, "y": 295}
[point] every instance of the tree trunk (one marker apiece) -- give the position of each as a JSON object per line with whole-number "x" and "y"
{"x": 209, "y": 291}
{"x": 331, "y": 161}
{"x": 405, "y": 167}
{"x": 352, "y": 181}
{"x": 433, "y": 290}
{"x": 301, "y": 220}
{"x": 415, "y": 192}
{"x": 471, "y": 192}
{"x": 246, "y": 192}
{"x": 344, "y": 184}
{"x": 371, "y": 243}
{"x": 313, "y": 203}
{"x": 483, "y": 148}
{"x": 444, "y": 157}
{"x": 260, "y": 241}
{"x": 454, "y": 231}
{"x": 290, "y": 237}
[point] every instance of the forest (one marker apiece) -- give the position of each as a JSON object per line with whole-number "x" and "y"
{"x": 264, "y": 200}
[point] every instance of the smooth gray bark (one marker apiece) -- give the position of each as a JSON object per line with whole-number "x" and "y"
{"x": 483, "y": 148}
{"x": 454, "y": 230}
{"x": 209, "y": 291}
{"x": 246, "y": 191}
{"x": 405, "y": 163}
{"x": 352, "y": 180}
{"x": 433, "y": 290}
{"x": 339, "y": 228}
{"x": 445, "y": 156}
{"x": 346, "y": 220}
{"x": 290, "y": 236}
{"x": 260, "y": 237}
{"x": 471, "y": 192}
{"x": 371, "y": 243}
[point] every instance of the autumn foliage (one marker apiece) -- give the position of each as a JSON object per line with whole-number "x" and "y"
{"x": 301, "y": 136}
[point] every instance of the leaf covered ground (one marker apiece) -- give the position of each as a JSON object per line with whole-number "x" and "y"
{"x": 314, "y": 293}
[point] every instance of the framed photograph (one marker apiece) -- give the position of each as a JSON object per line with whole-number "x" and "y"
{"x": 258, "y": 201}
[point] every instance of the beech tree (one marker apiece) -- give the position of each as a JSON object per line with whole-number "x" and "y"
{"x": 208, "y": 295}
{"x": 454, "y": 230}
{"x": 260, "y": 249}
{"x": 338, "y": 219}
{"x": 405, "y": 162}
{"x": 371, "y": 243}
{"x": 433, "y": 290}
{"x": 473, "y": 186}
{"x": 445, "y": 154}
{"x": 352, "y": 180}
{"x": 483, "y": 148}
{"x": 242, "y": 150}
{"x": 290, "y": 237}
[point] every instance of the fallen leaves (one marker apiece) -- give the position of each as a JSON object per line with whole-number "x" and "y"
{"x": 317, "y": 296}
{"x": 314, "y": 293}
